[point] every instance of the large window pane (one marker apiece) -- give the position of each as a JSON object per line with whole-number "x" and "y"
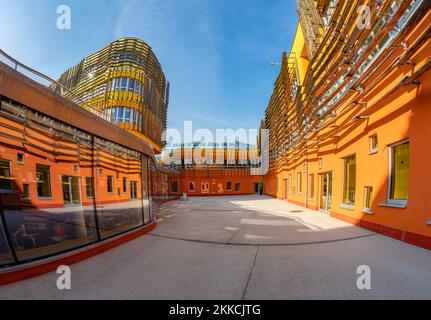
{"x": 118, "y": 189}
{"x": 5, "y": 255}
{"x": 5, "y": 175}
{"x": 43, "y": 179}
{"x": 311, "y": 186}
{"x": 89, "y": 187}
{"x": 400, "y": 171}
{"x": 145, "y": 190}
{"x": 349, "y": 180}
{"x": 46, "y": 213}
{"x": 154, "y": 197}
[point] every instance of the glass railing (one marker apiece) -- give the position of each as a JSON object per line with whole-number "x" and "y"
{"x": 46, "y": 81}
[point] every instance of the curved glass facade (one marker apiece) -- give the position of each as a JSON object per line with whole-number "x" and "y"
{"x": 62, "y": 188}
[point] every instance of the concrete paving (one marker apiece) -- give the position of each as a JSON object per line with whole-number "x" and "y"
{"x": 249, "y": 247}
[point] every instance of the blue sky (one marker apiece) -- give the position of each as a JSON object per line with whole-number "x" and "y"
{"x": 217, "y": 54}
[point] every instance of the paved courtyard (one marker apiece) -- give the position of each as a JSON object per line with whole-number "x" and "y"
{"x": 245, "y": 247}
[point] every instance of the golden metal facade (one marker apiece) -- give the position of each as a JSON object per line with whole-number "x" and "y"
{"x": 311, "y": 107}
{"x": 125, "y": 83}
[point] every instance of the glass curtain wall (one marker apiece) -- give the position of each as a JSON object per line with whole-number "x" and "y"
{"x": 62, "y": 188}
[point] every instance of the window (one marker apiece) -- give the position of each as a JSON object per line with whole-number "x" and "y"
{"x": 400, "y": 172}
{"x": 374, "y": 147}
{"x": 174, "y": 186}
{"x": 131, "y": 85}
{"x": 192, "y": 186}
{"x": 89, "y": 187}
{"x": 5, "y": 175}
{"x": 312, "y": 186}
{"x": 205, "y": 187}
{"x": 349, "y": 180}
{"x": 114, "y": 114}
{"x": 299, "y": 182}
{"x": 124, "y": 115}
{"x": 43, "y": 179}
{"x": 368, "y": 199}
{"x": 20, "y": 158}
{"x": 229, "y": 186}
{"x": 75, "y": 168}
{"x": 100, "y": 172}
{"x": 237, "y": 187}
{"x": 124, "y": 184}
{"x": 110, "y": 184}
{"x": 26, "y": 190}
{"x": 120, "y": 117}
{"x": 123, "y": 84}
{"x": 127, "y": 115}
{"x": 290, "y": 183}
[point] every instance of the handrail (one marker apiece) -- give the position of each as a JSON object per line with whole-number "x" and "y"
{"x": 53, "y": 84}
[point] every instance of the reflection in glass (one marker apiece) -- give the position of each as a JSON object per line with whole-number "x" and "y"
{"x": 51, "y": 200}
{"x": 145, "y": 190}
{"x": 43, "y": 178}
{"x": 5, "y": 175}
{"x": 5, "y": 255}
{"x": 120, "y": 211}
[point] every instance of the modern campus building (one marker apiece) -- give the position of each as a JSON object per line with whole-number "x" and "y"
{"x": 71, "y": 183}
{"x": 349, "y": 118}
{"x": 124, "y": 83}
{"x": 349, "y": 129}
{"x": 216, "y": 170}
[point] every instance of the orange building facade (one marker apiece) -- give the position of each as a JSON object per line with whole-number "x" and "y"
{"x": 71, "y": 183}
{"x": 219, "y": 182}
{"x": 349, "y": 119}
{"x": 217, "y": 171}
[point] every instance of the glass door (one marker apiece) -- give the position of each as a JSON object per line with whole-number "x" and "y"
{"x": 133, "y": 190}
{"x": 71, "y": 192}
{"x": 326, "y": 192}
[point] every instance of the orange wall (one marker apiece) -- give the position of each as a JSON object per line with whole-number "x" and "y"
{"x": 403, "y": 114}
{"x": 217, "y": 180}
{"x": 26, "y": 174}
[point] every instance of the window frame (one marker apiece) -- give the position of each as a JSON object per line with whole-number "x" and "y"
{"x": 239, "y": 187}
{"x": 344, "y": 203}
{"x": 311, "y": 195}
{"x": 124, "y": 186}
{"x": 110, "y": 178}
{"x": 22, "y": 161}
{"x": 91, "y": 179}
{"x": 10, "y": 176}
{"x": 374, "y": 150}
{"x": 227, "y": 186}
{"x": 368, "y": 195}
{"x": 194, "y": 186}
{"x": 50, "y": 197}
{"x": 176, "y": 189}
{"x": 391, "y": 147}
{"x": 299, "y": 182}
